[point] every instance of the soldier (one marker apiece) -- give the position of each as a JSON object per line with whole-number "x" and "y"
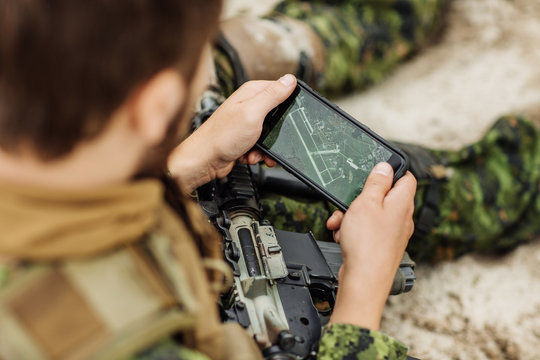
{"x": 484, "y": 197}
{"x": 94, "y": 262}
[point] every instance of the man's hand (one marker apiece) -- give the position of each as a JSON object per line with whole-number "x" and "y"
{"x": 229, "y": 134}
{"x": 373, "y": 234}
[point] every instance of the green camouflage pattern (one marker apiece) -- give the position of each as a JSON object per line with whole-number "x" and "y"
{"x": 298, "y": 214}
{"x": 344, "y": 341}
{"x": 224, "y": 73}
{"x": 168, "y": 349}
{"x": 363, "y": 39}
{"x": 338, "y": 341}
{"x": 489, "y": 200}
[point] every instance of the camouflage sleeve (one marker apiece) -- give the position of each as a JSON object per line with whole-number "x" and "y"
{"x": 345, "y": 341}
{"x": 168, "y": 349}
{"x": 338, "y": 342}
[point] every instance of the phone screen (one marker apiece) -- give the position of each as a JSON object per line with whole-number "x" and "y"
{"x": 325, "y": 147}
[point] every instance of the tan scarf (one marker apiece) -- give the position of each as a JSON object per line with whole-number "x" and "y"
{"x": 44, "y": 224}
{"x": 39, "y": 224}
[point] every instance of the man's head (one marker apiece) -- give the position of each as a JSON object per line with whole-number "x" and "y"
{"x": 66, "y": 67}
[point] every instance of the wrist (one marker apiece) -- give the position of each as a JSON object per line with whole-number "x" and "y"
{"x": 361, "y": 297}
{"x": 189, "y": 165}
{"x": 377, "y": 276}
{"x": 357, "y": 308}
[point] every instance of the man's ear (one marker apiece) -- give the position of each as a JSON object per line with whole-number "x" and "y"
{"x": 156, "y": 103}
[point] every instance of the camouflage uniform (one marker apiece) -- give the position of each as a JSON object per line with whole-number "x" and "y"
{"x": 483, "y": 197}
{"x": 489, "y": 197}
{"x": 339, "y": 341}
{"x": 363, "y": 39}
{"x": 343, "y": 341}
{"x": 169, "y": 349}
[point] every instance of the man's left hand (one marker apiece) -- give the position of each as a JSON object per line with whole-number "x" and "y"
{"x": 229, "y": 134}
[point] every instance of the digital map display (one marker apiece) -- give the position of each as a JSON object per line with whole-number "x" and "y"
{"x": 325, "y": 147}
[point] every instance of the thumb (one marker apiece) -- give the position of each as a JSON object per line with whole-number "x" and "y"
{"x": 378, "y": 182}
{"x": 273, "y": 94}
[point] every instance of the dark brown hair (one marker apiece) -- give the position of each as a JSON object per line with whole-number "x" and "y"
{"x": 66, "y": 65}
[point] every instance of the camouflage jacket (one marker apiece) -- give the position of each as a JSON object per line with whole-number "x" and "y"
{"x": 343, "y": 341}
{"x": 338, "y": 342}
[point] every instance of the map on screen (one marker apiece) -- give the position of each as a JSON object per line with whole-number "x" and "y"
{"x": 325, "y": 147}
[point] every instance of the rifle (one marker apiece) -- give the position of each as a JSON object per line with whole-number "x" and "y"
{"x": 285, "y": 283}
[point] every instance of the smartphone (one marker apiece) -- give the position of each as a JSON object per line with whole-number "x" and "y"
{"x": 325, "y": 147}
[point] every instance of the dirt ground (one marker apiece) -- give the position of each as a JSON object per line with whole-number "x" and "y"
{"x": 487, "y": 64}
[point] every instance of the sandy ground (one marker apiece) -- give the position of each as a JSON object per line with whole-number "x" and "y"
{"x": 487, "y": 64}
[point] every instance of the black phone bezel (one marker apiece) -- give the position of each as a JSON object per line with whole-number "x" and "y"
{"x": 400, "y": 167}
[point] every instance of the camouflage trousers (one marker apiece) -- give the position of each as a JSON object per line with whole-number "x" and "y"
{"x": 487, "y": 198}
{"x": 363, "y": 39}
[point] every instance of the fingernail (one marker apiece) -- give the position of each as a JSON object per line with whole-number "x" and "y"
{"x": 287, "y": 80}
{"x": 383, "y": 168}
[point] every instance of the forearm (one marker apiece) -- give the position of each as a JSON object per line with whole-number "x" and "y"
{"x": 189, "y": 164}
{"x": 363, "y": 291}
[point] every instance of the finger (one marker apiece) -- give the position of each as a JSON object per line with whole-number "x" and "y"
{"x": 334, "y": 222}
{"x": 411, "y": 231}
{"x": 337, "y": 236}
{"x": 403, "y": 191}
{"x": 243, "y": 159}
{"x": 249, "y": 89}
{"x": 269, "y": 162}
{"x": 378, "y": 183}
{"x": 255, "y": 157}
{"x": 273, "y": 94}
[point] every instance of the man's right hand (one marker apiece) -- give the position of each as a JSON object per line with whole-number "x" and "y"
{"x": 373, "y": 235}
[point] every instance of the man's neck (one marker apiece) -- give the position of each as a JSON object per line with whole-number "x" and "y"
{"x": 57, "y": 174}
{"x": 109, "y": 159}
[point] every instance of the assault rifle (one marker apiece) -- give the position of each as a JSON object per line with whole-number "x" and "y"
{"x": 285, "y": 283}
